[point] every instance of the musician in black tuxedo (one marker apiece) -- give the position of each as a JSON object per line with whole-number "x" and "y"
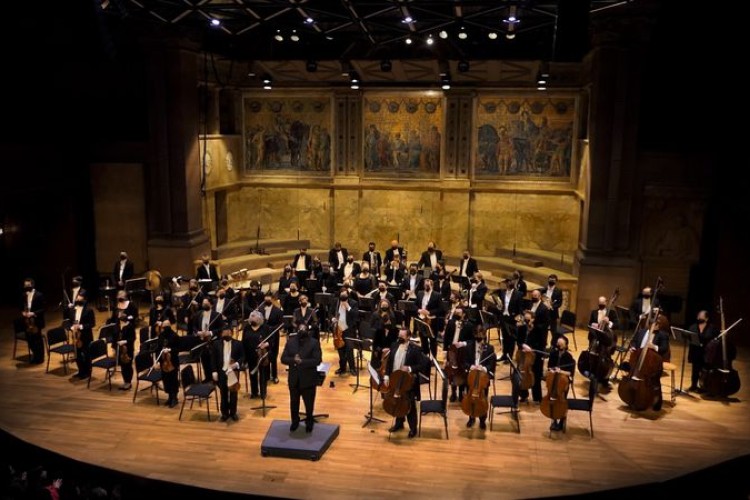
{"x": 206, "y": 271}
{"x": 208, "y": 324}
{"x": 560, "y": 360}
{"x": 443, "y": 285}
{"x": 394, "y": 272}
{"x": 384, "y": 294}
{"x": 303, "y": 355}
{"x": 123, "y": 342}
{"x": 190, "y": 304}
{"x": 641, "y": 307}
{"x": 349, "y": 270}
{"x": 76, "y": 286}
{"x": 479, "y": 355}
{"x": 406, "y": 356}
{"x": 519, "y": 283}
{"x": 302, "y": 265}
{"x": 477, "y": 291}
{"x": 467, "y": 267}
{"x": 337, "y": 256}
{"x": 327, "y": 279}
{"x": 82, "y": 322}
{"x": 170, "y": 345}
{"x": 431, "y": 257}
{"x": 122, "y": 271}
{"x": 395, "y": 251}
{"x": 458, "y": 331}
{"x": 306, "y": 317}
{"x": 157, "y": 314}
{"x": 253, "y": 337}
{"x": 227, "y": 355}
{"x": 696, "y": 354}
{"x": 605, "y": 320}
{"x": 344, "y": 314}
{"x": 533, "y": 337}
{"x": 541, "y": 312}
{"x": 509, "y": 307}
{"x": 372, "y": 257}
{"x": 412, "y": 283}
{"x": 554, "y": 299}
{"x": 226, "y": 307}
{"x": 428, "y": 310}
{"x": 660, "y": 344}
{"x": 274, "y": 316}
{"x": 32, "y": 320}
{"x": 385, "y": 331}
{"x": 253, "y": 297}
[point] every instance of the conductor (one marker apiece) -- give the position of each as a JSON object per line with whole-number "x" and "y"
{"x": 302, "y": 354}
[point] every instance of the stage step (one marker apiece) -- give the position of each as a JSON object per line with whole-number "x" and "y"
{"x": 245, "y": 247}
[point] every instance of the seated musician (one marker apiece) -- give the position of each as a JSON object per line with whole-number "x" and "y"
{"x": 252, "y": 341}
{"x": 406, "y": 356}
{"x": 605, "y": 320}
{"x": 168, "y": 340}
{"x": 660, "y": 344}
{"x": 349, "y": 270}
{"x": 394, "y": 272}
{"x": 384, "y": 294}
{"x": 696, "y": 354}
{"x": 560, "y": 360}
{"x": 82, "y": 322}
{"x": 428, "y": 308}
{"x": 365, "y": 282}
{"x": 457, "y": 332}
{"x": 479, "y": 356}
{"x": 304, "y": 317}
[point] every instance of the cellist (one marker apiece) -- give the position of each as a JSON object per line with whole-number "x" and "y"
{"x": 533, "y": 337}
{"x": 406, "y": 356}
{"x": 457, "y": 332}
{"x": 604, "y": 319}
{"x": 480, "y": 356}
{"x": 696, "y": 354}
{"x": 660, "y": 344}
{"x": 560, "y": 360}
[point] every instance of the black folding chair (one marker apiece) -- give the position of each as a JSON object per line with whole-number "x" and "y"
{"x": 193, "y": 390}
{"x": 100, "y": 358}
{"x": 584, "y": 405}
{"x": 438, "y": 406}
{"x": 57, "y": 343}
{"x": 143, "y": 369}
{"x": 567, "y": 326}
{"x": 509, "y": 401}
{"x": 19, "y": 335}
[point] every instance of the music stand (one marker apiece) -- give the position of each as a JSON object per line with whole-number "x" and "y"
{"x": 426, "y": 272}
{"x": 689, "y": 338}
{"x": 366, "y": 303}
{"x": 263, "y": 388}
{"x": 394, "y": 290}
{"x": 323, "y": 302}
{"x": 462, "y": 281}
{"x": 322, "y": 371}
{"x": 408, "y": 307}
{"x": 150, "y": 346}
{"x": 354, "y": 343}
{"x": 376, "y": 377}
{"x": 424, "y": 330}
{"x": 311, "y": 284}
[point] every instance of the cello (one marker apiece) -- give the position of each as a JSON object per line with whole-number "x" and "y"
{"x": 597, "y": 362}
{"x": 720, "y": 379}
{"x": 554, "y": 404}
{"x": 454, "y": 361}
{"x": 397, "y": 402}
{"x": 475, "y": 403}
{"x": 525, "y": 360}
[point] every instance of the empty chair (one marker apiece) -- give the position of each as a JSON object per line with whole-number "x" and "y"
{"x": 19, "y": 335}
{"x": 509, "y": 401}
{"x": 586, "y": 404}
{"x": 143, "y": 370}
{"x": 438, "y": 406}
{"x": 193, "y": 390}
{"x": 100, "y": 358}
{"x": 567, "y": 326}
{"x": 57, "y": 343}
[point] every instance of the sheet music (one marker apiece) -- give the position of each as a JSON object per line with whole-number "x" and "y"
{"x": 373, "y": 373}
{"x": 231, "y": 378}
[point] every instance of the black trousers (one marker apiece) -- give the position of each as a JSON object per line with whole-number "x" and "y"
{"x": 171, "y": 382}
{"x": 553, "y": 329}
{"x": 83, "y": 362}
{"x": 228, "y": 399}
{"x": 206, "y": 364}
{"x": 273, "y": 356}
{"x": 308, "y": 396}
{"x": 346, "y": 353}
{"x": 508, "y": 329}
{"x": 127, "y": 371}
{"x": 36, "y": 345}
{"x": 411, "y": 417}
{"x": 698, "y": 365}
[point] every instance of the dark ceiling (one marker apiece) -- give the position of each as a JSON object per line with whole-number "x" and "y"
{"x": 368, "y": 29}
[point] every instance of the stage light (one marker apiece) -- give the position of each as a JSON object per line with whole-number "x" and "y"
{"x": 445, "y": 82}
{"x": 353, "y": 77}
{"x": 462, "y": 34}
{"x": 278, "y": 36}
{"x": 295, "y": 36}
{"x": 408, "y": 40}
{"x": 492, "y": 35}
{"x": 267, "y": 82}
{"x": 430, "y": 40}
{"x": 463, "y": 66}
{"x": 309, "y": 20}
{"x": 512, "y": 16}
{"x": 215, "y": 22}
{"x": 443, "y": 34}
{"x": 385, "y": 65}
{"x": 407, "y": 20}
{"x": 511, "y": 34}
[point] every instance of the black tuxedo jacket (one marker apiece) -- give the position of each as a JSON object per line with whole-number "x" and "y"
{"x": 375, "y": 263}
{"x": 275, "y": 317}
{"x": 637, "y": 307}
{"x": 661, "y": 341}
{"x": 217, "y": 357}
{"x": 710, "y": 332}
{"x": 394, "y": 275}
{"x": 477, "y": 298}
{"x": 37, "y": 307}
{"x": 251, "y": 340}
{"x": 488, "y": 359}
{"x": 308, "y": 261}
{"x": 356, "y": 269}
{"x": 563, "y": 360}
{"x": 415, "y": 360}
{"x": 211, "y": 274}
{"x": 424, "y": 260}
{"x": 541, "y": 317}
{"x": 309, "y": 318}
{"x": 433, "y": 304}
{"x": 611, "y": 314}
{"x": 127, "y": 273}
{"x": 514, "y": 304}
{"x": 305, "y": 374}
{"x": 470, "y": 265}
{"x": 556, "y": 301}
{"x": 87, "y": 322}
{"x": 466, "y": 334}
{"x": 389, "y": 255}
{"x": 333, "y": 258}
{"x": 166, "y": 313}
{"x": 216, "y": 324}
{"x": 406, "y": 282}
{"x": 352, "y": 315}
{"x": 536, "y": 337}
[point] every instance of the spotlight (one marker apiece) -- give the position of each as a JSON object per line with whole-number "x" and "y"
{"x": 445, "y": 82}
{"x": 354, "y": 86}
{"x": 407, "y": 20}
{"x": 541, "y": 87}
{"x": 385, "y": 65}
{"x": 462, "y": 34}
{"x": 430, "y": 40}
{"x": 353, "y": 77}
{"x": 443, "y": 34}
{"x": 311, "y": 66}
{"x": 512, "y": 16}
{"x": 278, "y": 36}
{"x": 215, "y": 22}
{"x": 492, "y": 35}
{"x": 511, "y": 34}
{"x": 309, "y": 20}
{"x": 408, "y": 40}
{"x": 463, "y": 66}
{"x": 295, "y": 36}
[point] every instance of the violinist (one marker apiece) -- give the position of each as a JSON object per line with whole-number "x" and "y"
{"x": 304, "y": 317}
{"x": 406, "y": 356}
{"x": 291, "y": 299}
{"x": 32, "y": 320}
{"x": 82, "y": 322}
{"x": 159, "y": 312}
{"x": 303, "y": 355}
{"x": 191, "y": 303}
{"x": 660, "y": 344}
{"x": 481, "y": 356}
{"x": 227, "y": 356}
{"x": 252, "y": 342}
{"x": 344, "y": 314}
{"x": 385, "y": 331}
{"x": 123, "y": 342}
{"x": 225, "y": 307}
{"x": 124, "y": 306}
{"x": 560, "y": 360}
{"x": 428, "y": 308}
{"x": 273, "y": 316}
{"x": 75, "y": 287}
{"x": 458, "y": 331}
{"x": 510, "y": 307}
{"x": 477, "y": 291}
{"x": 254, "y": 297}
{"x": 207, "y": 324}
{"x": 533, "y": 337}
{"x": 373, "y": 257}
{"x": 696, "y": 354}
{"x": 394, "y": 272}
{"x": 169, "y": 361}
{"x": 605, "y": 320}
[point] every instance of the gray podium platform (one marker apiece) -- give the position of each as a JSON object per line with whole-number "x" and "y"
{"x": 279, "y": 442}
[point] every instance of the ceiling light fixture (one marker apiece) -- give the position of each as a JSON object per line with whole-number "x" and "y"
{"x": 295, "y": 36}
{"x": 408, "y": 40}
{"x": 215, "y": 22}
{"x": 430, "y": 40}
{"x": 492, "y": 35}
{"x": 443, "y": 34}
{"x": 462, "y": 34}
{"x": 309, "y": 20}
{"x": 278, "y": 36}
{"x": 407, "y": 20}
{"x": 267, "y": 82}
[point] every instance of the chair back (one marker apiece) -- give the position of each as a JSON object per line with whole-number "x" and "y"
{"x": 568, "y": 318}
{"x": 98, "y": 349}
{"x": 56, "y": 336}
{"x": 187, "y": 376}
{"x": 593, "y": 389}
{"x": 143, "y": 361}
{"x": 444, "y": 394}
{"x": 515, "y": 384}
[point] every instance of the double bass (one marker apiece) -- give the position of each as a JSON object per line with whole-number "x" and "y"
{"x": 597, "y": 362}
{"x": 720, "y": 379}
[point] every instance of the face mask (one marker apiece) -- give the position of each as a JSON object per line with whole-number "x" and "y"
{"x": 442, "y": 277}
{"x": 343, "y": 298}
{"x": 292, "y": 289}
{"x": 457, "y": 317}
{"x": 382, "y": 290}
{"x": 268, "y": 302}
{"x": 535, "y": 300}
{"x": 123, "y": 257}
{"x": 551, "y": 283}
{"x": 466, "y": 256}
{"x": 401, "y": 340}
{"x": 206, "y": 307}
{"x": 121, "y": 300}
{"x": 427, "y": 289}
{"x": 479, "y": 340}
{"x": 221, "y": 296}
{"x": 227, "y": 338}
{"x": 701, "y": 321}
{"x": 350, "y": 260}
{"x": 205, "y": 262}
{"x": 413, "y": 272}
{"x": 647, "y": 296}
{"x": 28, "y": 288}
{"x": 79, "y": 302}
{"x": 193, "y": 289}
{"x": 602, "y": 306}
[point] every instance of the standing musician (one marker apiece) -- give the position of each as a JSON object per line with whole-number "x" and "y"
{"x": 394, "y": 273}
{"x": 560, "y": 360}
{"x": 207, "y": 324}
{"x": 82, "y": 322}
{"x": 349, "y": 270}
{"x": 317, "y": 268}
{"x": 75, "y": 287}
{"x": 123, "y": 343}
{"x": 227, "y": 357}
{"x": 510, "y": 306}
{"x": 384, "y": 294}
{"x": 122, "y": 271}
{"x": 285, "y": 283}
{"x": 344, "y": 314}
{"x": 124, "y": 306}
{"x": 605, "y": 320}
{"x": 169, "y": 361}
{"x": 254, "y": 296}
{"x": 337, "y": 257}
{"x": 395, "y": 251}
{"x": 372, "y": 257}
{"x": 533, "y": 337}
{"x": 302, "y": 265}
{"x": 274, "y": 317}
{"x": 252, "y": 342}
{"x": 477, "y": 291}
{"x": 304, "y": 317}
{"x": 479, "y": 355}
{"x": 328, "y": 280}
{"x": 553, "y": 300}
{"x": 32, "y": 320}
{"x": 303, "y": 355}
{"x": 191, "y": 303}
{"x": 406, "y": 356}
{"x": 431, "y": 257}
{"x": 519, "y": 283}
{"x": 541, "y": 312}
{"x": 411, "y": 283}
{"x": 660, "y": 344}
{"x": 385, "y": 331}
{"x": 158, "y": 313}
{"x": 364, "y": 282}
{"x": 457, "y": 331}
{"x": 443, "y": 285}
{"x": 641, "y": 307}
{"x": 206, "y": 271}
{"x": 468, "y": 266}
{"x": 291, "y": 300}
{"x": 428, "y": 308}
{"x": 225, "y": 307}
{"x": 696, "y": 354}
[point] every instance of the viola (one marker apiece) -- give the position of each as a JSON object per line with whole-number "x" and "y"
{"x": 397, "y": 402}
{"x": 554, "y": 404}
{"x": 720, "y": 379}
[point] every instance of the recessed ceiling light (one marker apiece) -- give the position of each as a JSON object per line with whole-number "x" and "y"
{"x": 492, "y": 35}
{"x": 215, "y": 22}
{"x": 408, "y": 41}
{"x": 443, "y": 34}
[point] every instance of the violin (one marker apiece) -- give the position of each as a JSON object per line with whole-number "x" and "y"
{"x": 167, "y": 366}
{"x": 262, "y": 352}
{"x": 554, "y": 404}
{"x": 397, "y": 402}
{"x": 475, "y": 404}
{"x": 720, "y": 379}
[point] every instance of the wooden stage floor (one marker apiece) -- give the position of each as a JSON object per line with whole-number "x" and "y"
{"x": 107, "y": 429}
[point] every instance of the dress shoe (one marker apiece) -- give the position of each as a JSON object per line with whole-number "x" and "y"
{"x": 693, "y": 388}
{"x": 353, "y": 373}
{"x": 657, "y": 406}
{"x": 224, "y": 418}
{"x": 412, "y": 433}
{"x": 524, "y": 400}
{"x": 173, "y": 403}
{"x": 453, "y": 398}
{"x": 470, "y": 422}
{"x": 254, "y": 396}
{"x": 234, "y": 417}
{"x": 125, "y": 387}
{"x": 396, "y": 428}
{"x": 294, "y": 426}
{"x": 339, "y": 371}
{"x": 482, "y": 424}
{"x": 309, "y": 427}
{"x": 276, "y": 380}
